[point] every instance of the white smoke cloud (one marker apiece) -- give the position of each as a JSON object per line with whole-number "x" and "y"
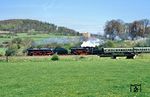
{"x": 92, "y": 42}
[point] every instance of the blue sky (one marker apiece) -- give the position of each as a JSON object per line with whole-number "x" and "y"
{"x": 81, "y": 15}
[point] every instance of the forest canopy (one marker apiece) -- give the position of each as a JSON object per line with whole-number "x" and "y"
{"x": 34, "y": 26}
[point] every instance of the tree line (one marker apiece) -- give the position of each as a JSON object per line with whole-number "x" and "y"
{"x": 119, "y": 29}
{"x": 30, "y": 26}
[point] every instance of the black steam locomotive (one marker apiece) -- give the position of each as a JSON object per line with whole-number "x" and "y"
{"x": 46, "y": 51}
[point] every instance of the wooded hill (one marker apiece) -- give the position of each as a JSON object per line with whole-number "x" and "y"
{"x": 34, "y": 26}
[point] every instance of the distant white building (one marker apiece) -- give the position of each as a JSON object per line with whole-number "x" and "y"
{"x": 86, "y": 35}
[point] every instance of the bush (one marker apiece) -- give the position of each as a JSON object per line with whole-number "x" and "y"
{"x": 109, "y": 44}
{"x": 17, "y": 40}
{"x": 55, "y": 57}
{"x": 1, "y": 54}
{"x": 10, "y": 52}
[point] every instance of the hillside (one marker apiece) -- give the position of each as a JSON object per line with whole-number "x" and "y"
{"x": 33, "y": 26}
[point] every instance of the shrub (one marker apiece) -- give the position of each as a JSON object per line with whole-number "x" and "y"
{"x": 17, "y": 40}
{"x": 109, "y": 44}
{"x": 1, "y": 54}
{"x": 10, "y": 52}
{"x": 55, "y": 57}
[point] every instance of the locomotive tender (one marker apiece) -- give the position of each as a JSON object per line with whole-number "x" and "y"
{"x": 39, "y": 52}
{"x": 130, "y": 53}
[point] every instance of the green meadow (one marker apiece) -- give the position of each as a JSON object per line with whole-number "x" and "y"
{"x": 74, "y": 76}
{"x": 34, "y": 37}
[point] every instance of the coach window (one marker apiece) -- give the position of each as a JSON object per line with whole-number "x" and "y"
{"x": 114, "y": 50}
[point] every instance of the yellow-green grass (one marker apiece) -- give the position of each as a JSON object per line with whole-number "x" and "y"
{"x": 73, "y": 76}
{"x": 34, "y": 37}
{"x": 23, "y": 36}
{"x": 2, "y": 51}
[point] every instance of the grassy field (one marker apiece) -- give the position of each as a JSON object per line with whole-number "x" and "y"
{"x": 25, "y": 35}
{"x": 73, "y": 76}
